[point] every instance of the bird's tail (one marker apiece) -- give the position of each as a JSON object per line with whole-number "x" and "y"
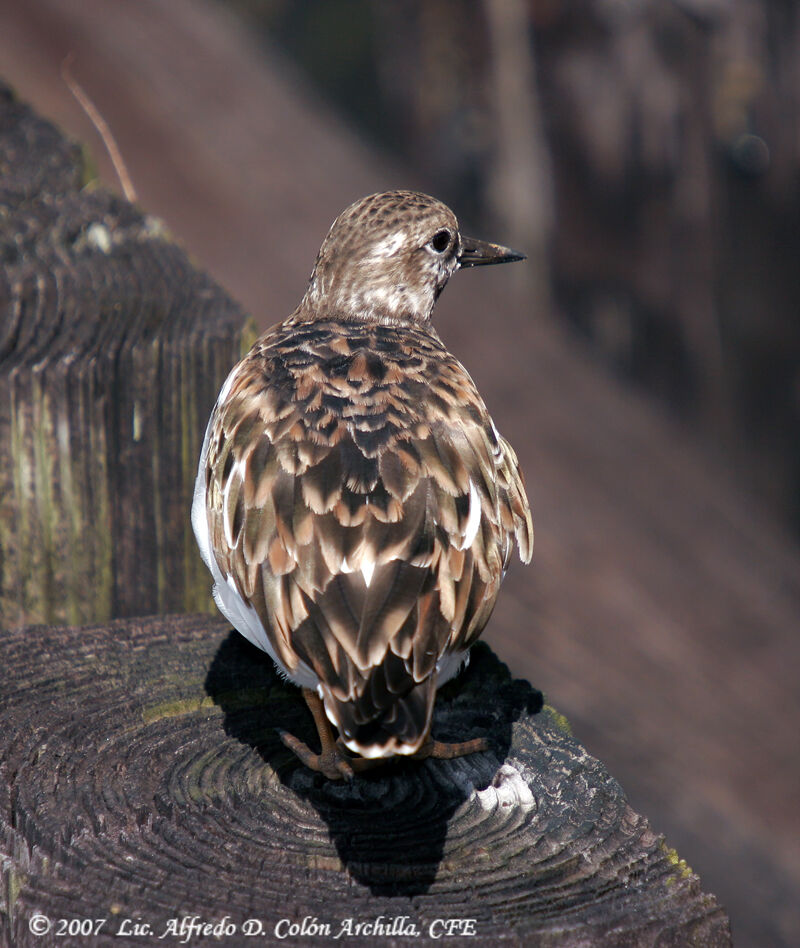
{"x": 380, "y": 723}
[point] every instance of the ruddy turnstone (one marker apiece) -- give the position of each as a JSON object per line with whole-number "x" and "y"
{"x": 355, "y": 503}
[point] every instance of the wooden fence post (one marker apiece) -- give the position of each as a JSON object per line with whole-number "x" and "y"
{"x": 112, "y": 349}
{"x": 143, "y": 778}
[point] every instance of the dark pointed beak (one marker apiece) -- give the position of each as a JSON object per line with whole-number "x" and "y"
{"x": 480, "y": 253}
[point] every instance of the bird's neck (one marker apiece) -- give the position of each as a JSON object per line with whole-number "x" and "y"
{"x": 385, "y": 302}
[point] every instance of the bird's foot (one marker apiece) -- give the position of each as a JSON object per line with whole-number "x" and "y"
{"x": 336, "y": 763}
{"x": 332, "y": 761}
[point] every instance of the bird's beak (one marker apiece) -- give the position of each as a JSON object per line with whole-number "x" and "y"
{"x": 480, "y": 253}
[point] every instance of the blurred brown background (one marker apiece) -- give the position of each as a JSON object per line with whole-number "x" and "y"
{"x": 644, "y": 362}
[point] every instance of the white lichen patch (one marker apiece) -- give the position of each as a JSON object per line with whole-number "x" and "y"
{"x": 98, "y": 237}
{"x": 507, "y": 789}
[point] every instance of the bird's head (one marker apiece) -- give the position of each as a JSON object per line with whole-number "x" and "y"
{"x": 389, "y": 256}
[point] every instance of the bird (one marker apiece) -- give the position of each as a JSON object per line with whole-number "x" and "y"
{"x": 354, "y": 502}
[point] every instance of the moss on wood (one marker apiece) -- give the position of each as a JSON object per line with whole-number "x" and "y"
{"x": 112, "y": 349}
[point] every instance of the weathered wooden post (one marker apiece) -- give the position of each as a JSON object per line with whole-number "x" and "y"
{"x": 112, "y": 349}
{"x": 143, "y": 788}
{"x": 143, "y": 778}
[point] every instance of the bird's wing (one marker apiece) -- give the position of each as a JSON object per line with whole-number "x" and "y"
{"x": 361, "y": 501}
{"x": 515, "y": 511}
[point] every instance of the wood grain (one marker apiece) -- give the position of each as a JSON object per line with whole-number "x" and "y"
{"x": 112, "y": 349}
{"x": 142, "y": 777}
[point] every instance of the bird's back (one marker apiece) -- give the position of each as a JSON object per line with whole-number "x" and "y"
{"x": 362, "y": 506}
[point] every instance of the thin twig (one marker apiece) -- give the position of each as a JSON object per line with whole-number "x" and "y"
{"x": 102, "y": 128}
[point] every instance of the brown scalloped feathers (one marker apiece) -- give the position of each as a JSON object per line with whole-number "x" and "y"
{"x": 359, "y": 499}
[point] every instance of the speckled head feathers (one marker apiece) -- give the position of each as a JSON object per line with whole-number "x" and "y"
{"x": 388, "y": 257}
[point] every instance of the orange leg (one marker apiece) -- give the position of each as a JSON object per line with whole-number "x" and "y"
{"x": 440, "y": 751}
{"x": 335, "y": 761}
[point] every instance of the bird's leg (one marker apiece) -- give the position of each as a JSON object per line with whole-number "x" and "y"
{"x": 336, "y": 763}
{"x": 441, "y": 751}
{"x": 333, "y": 761}
{"x": 330, "y": 761}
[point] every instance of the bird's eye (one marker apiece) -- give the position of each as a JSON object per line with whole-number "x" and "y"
{"x": 441, "y": 241}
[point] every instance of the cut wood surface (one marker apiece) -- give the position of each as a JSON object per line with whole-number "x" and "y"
{"x": 143, "y": 779}
{"x": 661, "y": 609}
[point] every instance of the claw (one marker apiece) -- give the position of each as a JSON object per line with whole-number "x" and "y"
{"x": 344, "y": 768}
{"x": 331, "y": 763}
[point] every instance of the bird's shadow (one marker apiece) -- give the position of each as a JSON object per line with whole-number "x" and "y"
{"x": 388, "y": 825}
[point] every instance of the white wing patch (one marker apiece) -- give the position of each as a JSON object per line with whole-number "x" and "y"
{"x": 497, "y": 452}
{"x": 367, "y": 569}
{"x": 449, "y": 665}
{"x": 238, "y": 469}
{"x": 473, "y": 518}
{"x": 199, "y": 514}
{"x": 226, "y": 387}
{"x": 236, "y": 610}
